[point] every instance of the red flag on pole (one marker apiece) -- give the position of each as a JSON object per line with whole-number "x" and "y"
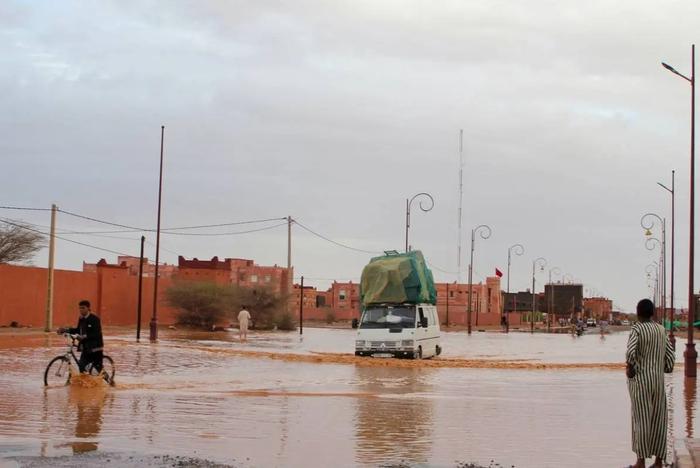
{"x": 499, "y": 273}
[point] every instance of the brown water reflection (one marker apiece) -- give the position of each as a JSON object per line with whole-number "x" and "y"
{"x": 690, "y": 398}
{"x": 399, "y": 424}
{"x": 214, "y": 398}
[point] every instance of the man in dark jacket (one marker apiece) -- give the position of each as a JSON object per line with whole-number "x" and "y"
{"x": 89, "y": 330}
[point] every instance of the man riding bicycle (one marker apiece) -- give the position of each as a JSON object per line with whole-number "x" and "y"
{"x": 89, "y": 331}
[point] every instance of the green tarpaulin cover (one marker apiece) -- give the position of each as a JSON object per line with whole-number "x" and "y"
{"x": 397, "y": 278}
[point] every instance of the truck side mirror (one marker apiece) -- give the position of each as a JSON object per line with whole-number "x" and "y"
{"x": 355, "y": 323}
{"x": 424, "y": 322}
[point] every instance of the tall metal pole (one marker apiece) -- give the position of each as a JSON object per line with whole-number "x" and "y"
{"x": 459, "y": 216}
{"x": 469, "y": 302}
{"x": 301, "y": 308}
{"x": 408, "y": 222}
{"x": 154, "y": 317}
{"x": 519, "y": 250}
{"x": 690, "y": 354}
{"x": 663, "y": 287}
{"x": 534, "y": 301}
{"x": 49, "y": 292}
{"x": 290, "y": 285}
{"x": 138, "y": 305}
{"x": 534, "y": 297}
{"x": 672, "y": 191}
{"x": 485, "y": 232}
{"x": 673, "y": 251}
{"x": 447, "y": 305}
{"x": 420, "y": 204}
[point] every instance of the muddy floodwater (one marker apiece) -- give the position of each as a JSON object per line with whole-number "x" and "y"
{"x": 519, "y": 399}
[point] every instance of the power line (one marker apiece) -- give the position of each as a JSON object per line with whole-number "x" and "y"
{"x": 332, "y": 241}
{"x": 64, "y": 239}
{"x": 166, "y": 230}
{"x": 21, "y": 208}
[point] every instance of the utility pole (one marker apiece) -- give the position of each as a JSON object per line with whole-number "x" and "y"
{"x": 301, "y": 307}
{"x": 154, "y": 317}
{"x": 52, "y": 251}
{"x": 290, "y": 282}
{"x": 138, "y": 306}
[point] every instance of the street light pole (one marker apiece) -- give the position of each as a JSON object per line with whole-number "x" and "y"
{"x": 518, "y": 249}
{"x": 485, "y": 232}
{"x": 556, "y": 271}
{"x": 690, "y": 354}
{"x": 647, "y": 223}
{"x": 542, "y": 263}
{"x": 420, "y": 204}
{"x": 672, "y": 191}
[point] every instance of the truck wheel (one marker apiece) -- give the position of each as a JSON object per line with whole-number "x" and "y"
{"x": 438, "y": 350}
{"x": 419, "y": 353}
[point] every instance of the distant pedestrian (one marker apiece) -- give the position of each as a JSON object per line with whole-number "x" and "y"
{"x": 243, "y": 321}
{"x": 649, "y": 355}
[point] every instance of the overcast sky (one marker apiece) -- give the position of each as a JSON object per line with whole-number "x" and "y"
{"x": 336, "y": 112}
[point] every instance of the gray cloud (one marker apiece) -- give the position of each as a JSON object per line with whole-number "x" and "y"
{"x": 336, "y": 112}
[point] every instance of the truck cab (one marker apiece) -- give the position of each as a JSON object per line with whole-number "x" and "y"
{"x": 399, "y": 330}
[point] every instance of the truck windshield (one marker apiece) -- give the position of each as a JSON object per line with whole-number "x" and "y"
{"x": 389, "y": 317}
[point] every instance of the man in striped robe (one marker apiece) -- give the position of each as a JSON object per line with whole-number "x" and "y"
{"x": 649, "y": 355}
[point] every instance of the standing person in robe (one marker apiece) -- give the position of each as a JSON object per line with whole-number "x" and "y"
{"x": 649, "y": 355}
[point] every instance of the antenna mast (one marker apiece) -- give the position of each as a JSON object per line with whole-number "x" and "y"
{"x": 459, "y": 214}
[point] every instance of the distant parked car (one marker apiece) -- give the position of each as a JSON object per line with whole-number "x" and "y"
{"x": 626, "y": 322}
{"x": 590, "y": 322}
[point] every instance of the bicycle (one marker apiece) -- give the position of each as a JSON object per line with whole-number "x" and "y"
{"x": 60, "y": 368}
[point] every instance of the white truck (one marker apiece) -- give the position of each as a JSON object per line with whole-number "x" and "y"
{"x": 399, "y": 330}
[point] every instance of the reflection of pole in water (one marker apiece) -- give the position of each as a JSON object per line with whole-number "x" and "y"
{"x": 689, "y": 395}
{"x": 671, "y": 436}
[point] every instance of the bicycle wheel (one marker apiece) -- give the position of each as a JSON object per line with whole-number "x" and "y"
{"x": 107, "y": 369}
{"x": 57, "y": 372}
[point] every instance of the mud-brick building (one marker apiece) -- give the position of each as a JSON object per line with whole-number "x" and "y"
{"x": 599, "y": 308}
{"x": 238, "y": 271}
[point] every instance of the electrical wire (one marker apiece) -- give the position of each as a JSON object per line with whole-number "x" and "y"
{"x": 166, "y": 230}
{"x": 332, "y": 241}
{"x": 64, "y": 239}
{"x": 21, "y": 208}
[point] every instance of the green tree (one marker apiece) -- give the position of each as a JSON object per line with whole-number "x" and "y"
{"x": 200, "y": 304}
{"x": 267, "y": 308}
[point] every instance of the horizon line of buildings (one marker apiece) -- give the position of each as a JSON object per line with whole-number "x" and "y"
{"x": 113, "y": 290}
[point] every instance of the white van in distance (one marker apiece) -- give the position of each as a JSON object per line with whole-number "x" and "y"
{"x": 399, "y": 330}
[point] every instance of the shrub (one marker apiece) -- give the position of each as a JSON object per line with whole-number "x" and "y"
{"x": 200, "y": 304}
{"x": 285, "y": 321}
{"x": 265, "y": 306}
{"x": 330, "y": 316}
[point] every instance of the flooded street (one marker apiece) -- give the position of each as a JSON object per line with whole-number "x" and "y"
{"x": 279, "y": 401}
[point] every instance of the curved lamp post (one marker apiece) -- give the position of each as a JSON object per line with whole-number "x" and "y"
{"x": 485, "y": 232}
{"x": 516, "y": 249}
{"x": 647, "y": 223}
{"x": 542, "y": 263}
{"x": 556, "y": 271}
{"x": 420, "y": 204}
{"x": 690, "y": 354}
{"x": 672, "y": 191}
{"x": 653, "y": 267}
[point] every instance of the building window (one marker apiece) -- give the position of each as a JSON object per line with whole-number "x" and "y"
{"x": 452, "y": 294}
{"x": 342, "y": 295}
{"x": 253, "y": 278}
{"x": 267, "y": 278}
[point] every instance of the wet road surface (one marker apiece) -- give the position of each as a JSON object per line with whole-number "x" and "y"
{"x": 204, "y": 395}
